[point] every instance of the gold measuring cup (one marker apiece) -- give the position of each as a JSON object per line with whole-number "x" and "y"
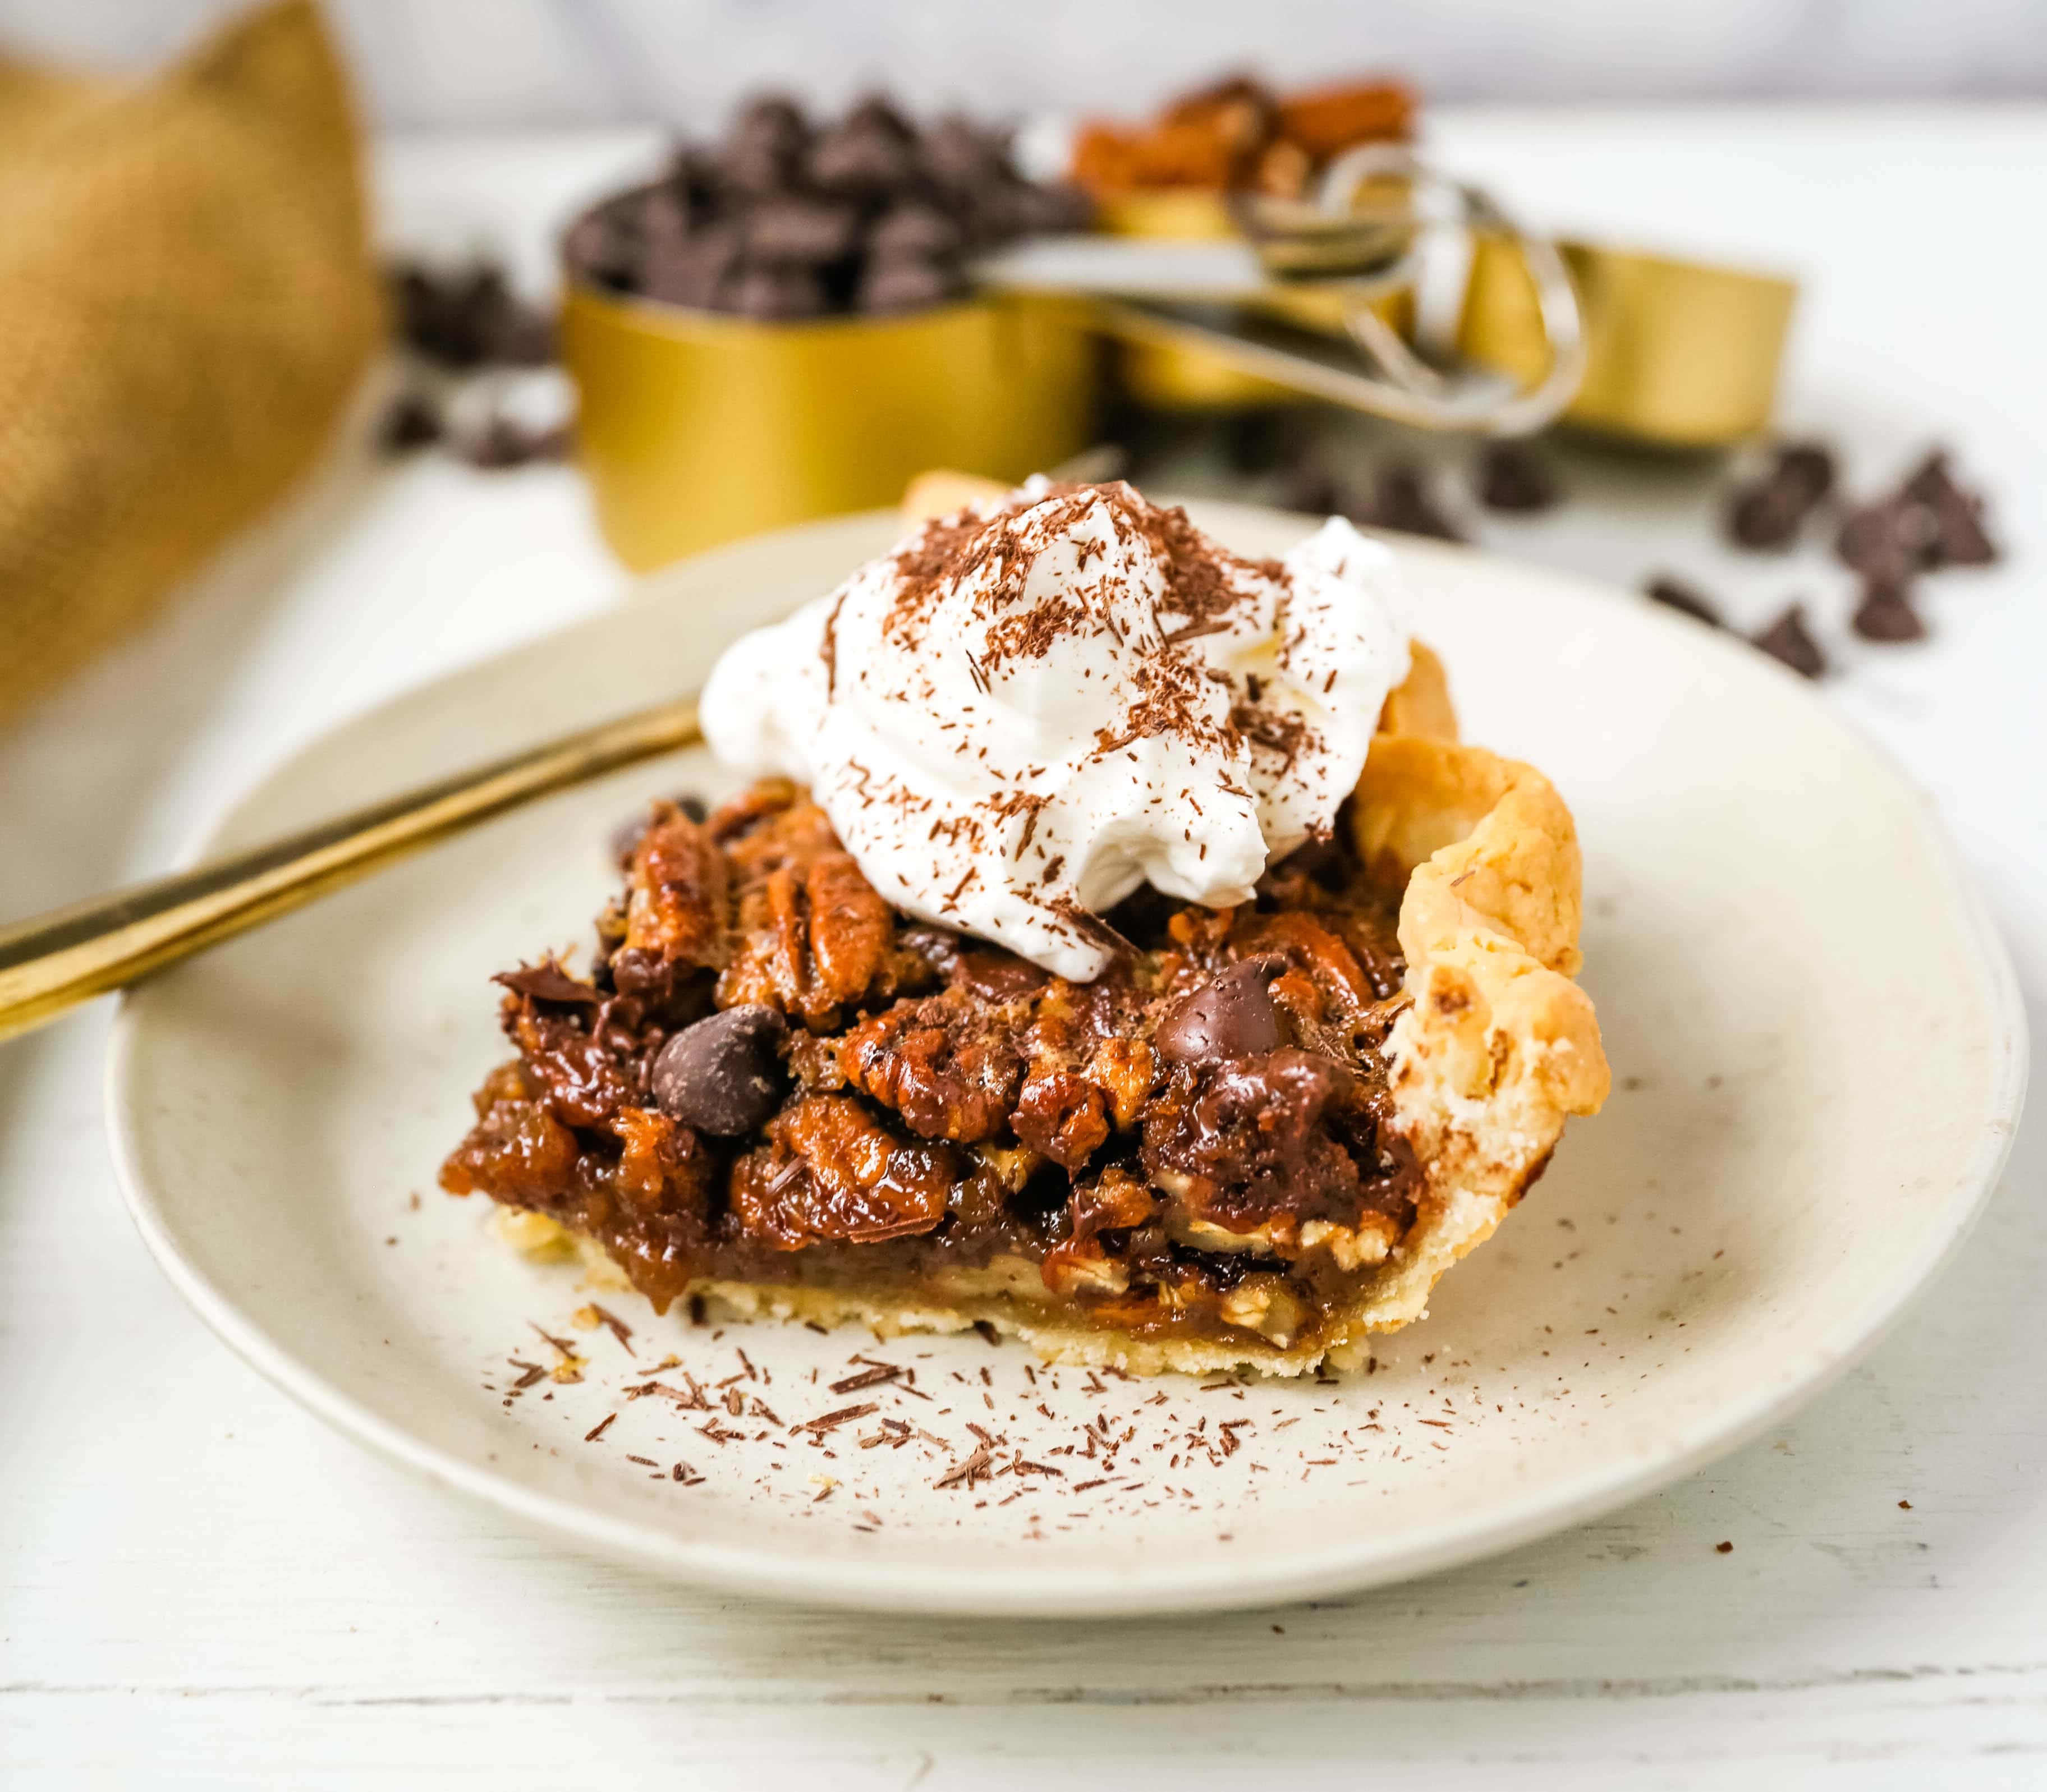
{"x": 1679, "y": 354}
{"x": 697, "y": 427}
{"x": 1669, "y": 352}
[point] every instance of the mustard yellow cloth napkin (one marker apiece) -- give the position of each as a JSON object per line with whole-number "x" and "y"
{"x": 187, "y": 299}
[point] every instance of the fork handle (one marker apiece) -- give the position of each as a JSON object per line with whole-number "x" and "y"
{"x": 56, "y": 960}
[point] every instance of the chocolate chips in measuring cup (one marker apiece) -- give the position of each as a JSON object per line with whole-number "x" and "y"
{"x": 784, "y": 220}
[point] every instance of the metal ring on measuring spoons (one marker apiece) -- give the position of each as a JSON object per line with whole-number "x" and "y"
{"x": 1414, "y": 391}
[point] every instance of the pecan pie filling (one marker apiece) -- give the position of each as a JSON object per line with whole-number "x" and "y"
{"x": 770, "y": 1076}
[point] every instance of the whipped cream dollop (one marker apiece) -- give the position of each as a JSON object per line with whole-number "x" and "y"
{"x": 1031, "y": 707}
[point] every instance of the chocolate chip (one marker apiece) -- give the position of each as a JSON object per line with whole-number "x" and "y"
{"x": 1234, "y": 1015}
{"x": 694, "y": 174}
{"x": 876, "y": 114}
{"x": 780, "y": 222}
{"x": 776, "y": 118}
{"x": 1959, "y": 538}
{"x": 1326, "y": 862}
{"x": 1765, "y": 514}
{"x": 1400, "y": 500}
{"x": 1312, "y": 489}
{"x": 776, "y": 294}
{"x": 501, "y": 443}
{"x": 990, "y": 972}
{"x": 800, "y": 233}
{"x": 470, "y": 319}
{"x": 1890, "y": 542}
{"x": 723, "y": 1075}
{"x": 858, "y": 158}
{"x": 692, "y": 271}
{"x": 1807, "y": 467}
{"x": 1512, "y": 478}
{"x": 436, "y": 317}
{"x": 520, "y": 336}
{"x": 764, "y": 150}
{"x": 604, "y": 249}
{"x": 1770, "y": 510}
{"x": 1929, "y": 479}
{"x": 1959, "y": 530}
{"x": 962, "y": 156}
{"x": 1267, "y": 439}
{"x": 1679, "y": 596}
{"x": 1789, "y": 640}
{"x": 666, "y": 214}
{"x": 1886, "y": 614}
{"x": 906, "y": 231}
{"x": 909, "y": 283}
{"x": 411, "y": 422}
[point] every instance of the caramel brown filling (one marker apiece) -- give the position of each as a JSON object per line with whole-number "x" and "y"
{"x": 770, "y": 1076}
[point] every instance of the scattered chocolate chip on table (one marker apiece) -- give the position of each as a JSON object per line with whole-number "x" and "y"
{"x": 1512, "y": 478}
{"x": 1886, "y": 614}
{"x": 1769, "y": 511}
{"x": 412, "y": 421}
{"x": 1680, "y": 596}
{"x": 1959, "y": 537}
{"x": 1400, "y": 500}
{"x": 469, "y": 318}
{"x": 503, "y": 443}
{"x": 1790, "y": 641}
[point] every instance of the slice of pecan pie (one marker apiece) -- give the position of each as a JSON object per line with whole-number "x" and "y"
{"x": 1260, "y": 1135}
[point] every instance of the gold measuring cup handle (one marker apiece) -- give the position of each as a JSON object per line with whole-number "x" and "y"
{"x": 1247, "y": 297}
{"x": 57, "y": 960}
{"x": 1412, "y": 391}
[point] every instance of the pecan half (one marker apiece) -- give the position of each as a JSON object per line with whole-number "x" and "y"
{"x": 833, "y": 1171}
{"x": 851, "y": 927}
{"x": 740, "y": 814}
{"x": 1062, "y": 1116}
{"x": 938, "y": 1063}
{"x": 679, "y": 893}
{"x": 786, "y": 831}
{"x": 818, "y": 940}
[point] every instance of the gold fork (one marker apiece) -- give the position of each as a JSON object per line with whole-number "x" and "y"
{"x": 56, "y": 960}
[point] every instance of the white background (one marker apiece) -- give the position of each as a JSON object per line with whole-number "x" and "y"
{"x": 510, "y": 62}
{"x": 199, "y": 1585}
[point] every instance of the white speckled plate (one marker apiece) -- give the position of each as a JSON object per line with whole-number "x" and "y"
{"x": 1818, "y": 1058}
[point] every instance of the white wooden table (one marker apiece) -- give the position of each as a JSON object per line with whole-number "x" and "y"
{"x": 199, "y": 1583}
